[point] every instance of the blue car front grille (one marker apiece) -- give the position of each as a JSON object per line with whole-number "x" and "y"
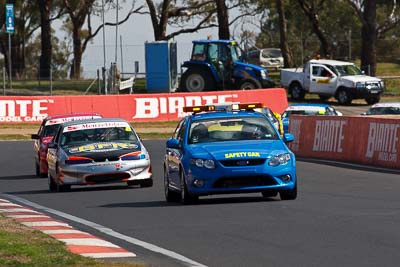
{"x": 244, "y": 181}
{"x": 243, "y": 162}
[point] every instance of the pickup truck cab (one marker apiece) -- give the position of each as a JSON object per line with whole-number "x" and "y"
{"x": 327, "y": 78}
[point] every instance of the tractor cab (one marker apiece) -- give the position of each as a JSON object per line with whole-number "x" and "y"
{"x": 216, "y": 65}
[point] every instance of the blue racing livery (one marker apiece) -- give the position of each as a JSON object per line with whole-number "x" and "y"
{"x": 230, "y": 150}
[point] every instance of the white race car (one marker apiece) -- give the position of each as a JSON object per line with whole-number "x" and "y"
{"x": 95, "y": 152}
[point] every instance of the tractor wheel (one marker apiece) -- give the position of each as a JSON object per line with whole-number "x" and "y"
{"x": 250, "y": 84}
{"x": 197, "y": 80}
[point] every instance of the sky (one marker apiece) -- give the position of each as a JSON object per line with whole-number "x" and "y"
{"x": 133, "y": 34}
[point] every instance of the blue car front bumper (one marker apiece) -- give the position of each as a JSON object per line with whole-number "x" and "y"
{"x": 233, "y": 179}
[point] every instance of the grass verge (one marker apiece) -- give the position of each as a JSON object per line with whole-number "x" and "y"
{"x": 23, "y": 246}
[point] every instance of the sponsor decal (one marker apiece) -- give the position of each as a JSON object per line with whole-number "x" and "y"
{"x": 153, "y": 107}
{"x": 24, "y": 110}
{"x": 329, "y": 135}
{"x": 62, "y": 120}
{"x": 383, "y": 138}
{"x": 96, "y": 125}
{"x": 102, "y": 147}
{"x": 242, "y": 155}
{"x": 323, "y": 81}
{"x": 118, "y": 166}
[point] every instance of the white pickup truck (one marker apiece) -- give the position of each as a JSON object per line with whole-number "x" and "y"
{"x": 328, "y": 78}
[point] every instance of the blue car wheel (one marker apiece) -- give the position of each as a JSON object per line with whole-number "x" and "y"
{"x": 186, "y": 196}
{"x": 290, "y": 194}
{"x": 170, "y": 195}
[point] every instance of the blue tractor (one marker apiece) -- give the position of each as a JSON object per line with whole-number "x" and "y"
{"x": 216, "y": 65}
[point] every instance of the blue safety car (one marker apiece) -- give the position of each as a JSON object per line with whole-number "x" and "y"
{"x": 307, "y": 109}
{"x": 228, "y": 148}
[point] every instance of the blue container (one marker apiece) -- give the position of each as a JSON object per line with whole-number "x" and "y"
{"x": 161, "y": 66}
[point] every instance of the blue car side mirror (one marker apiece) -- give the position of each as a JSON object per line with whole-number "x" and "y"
{"x": 288, "y": 137}
{"x": 173, "y": 143}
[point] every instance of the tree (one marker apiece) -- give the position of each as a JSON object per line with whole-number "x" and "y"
{"x": 223, "y": 20}
{"x": 311, "y": 9}
{"x": 287, "y": 56}
{"x": 169, "y": 13}
{"x": 207, "y": 14}
{"x": 25, "y": 24}
{"x": 46, "y": 7}
{"x": 371, "y": 29}
{"x": 80, "y": 11}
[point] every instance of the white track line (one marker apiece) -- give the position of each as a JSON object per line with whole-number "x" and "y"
{"x": 110, "y": 232}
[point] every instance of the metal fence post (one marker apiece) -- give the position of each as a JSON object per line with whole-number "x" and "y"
{"x": 4, "y": 81}
{"x": 51, "y": 81}
{"x": 98, "y": 82}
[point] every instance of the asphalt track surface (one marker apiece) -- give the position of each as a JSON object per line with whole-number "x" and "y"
{"x": 344, "y": 216}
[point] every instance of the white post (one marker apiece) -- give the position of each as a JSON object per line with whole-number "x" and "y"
{"x": 9, "y": 60}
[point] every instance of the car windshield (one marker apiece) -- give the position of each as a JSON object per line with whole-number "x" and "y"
{"x": 231, "y": 129}
{"x": 346, "y": 70}
{"x": 112, "y": 134}
{"x": 271, "y": 53}
{"x": 384, "y": 111}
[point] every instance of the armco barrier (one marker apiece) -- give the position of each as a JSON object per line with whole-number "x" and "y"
{"x": 135, "y": 107}
{"x": 358, "y": 139}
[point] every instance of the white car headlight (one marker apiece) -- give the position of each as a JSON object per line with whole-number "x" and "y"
{"x": 281, "y": 159}
{"x": 206, "y": 163}
{"x": 263, "y": 74}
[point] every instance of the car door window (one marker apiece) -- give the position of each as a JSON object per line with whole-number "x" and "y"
{"x": 181, "y": 132}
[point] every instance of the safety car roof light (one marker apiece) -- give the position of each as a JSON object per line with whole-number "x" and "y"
{"x": 197, "y": 109}
{"x": 224, "y": 107}
{"x": 250, "y": 106}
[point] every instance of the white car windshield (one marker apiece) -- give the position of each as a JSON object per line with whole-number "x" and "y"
{"x": 346, "y": 70}
{"x": 112, "y": 134}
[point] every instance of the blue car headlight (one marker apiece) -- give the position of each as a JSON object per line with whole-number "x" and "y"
{"x": 360, "y": 85}
{"x": 281, "y": 159}
{"x": 206, "y": 163}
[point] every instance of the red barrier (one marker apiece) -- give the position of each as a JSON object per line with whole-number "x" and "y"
{"x": 136, "y": 107}
{"x": 365, "y": 140}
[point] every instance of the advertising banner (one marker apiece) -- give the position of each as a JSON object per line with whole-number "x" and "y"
{"x": 361, "y": 139}
{"x": 134, "y": 107}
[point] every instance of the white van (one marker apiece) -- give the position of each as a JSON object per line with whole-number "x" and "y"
{"x": 269, "y": 58}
